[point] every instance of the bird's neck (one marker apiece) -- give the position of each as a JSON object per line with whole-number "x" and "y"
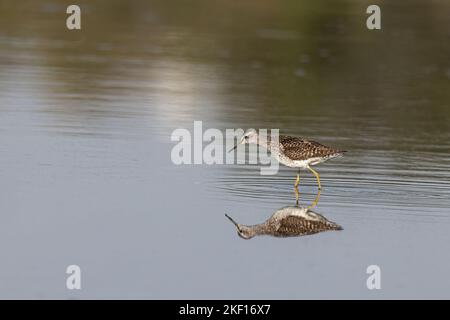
{"x": 266, "y": 143}
{"x": 257, "y": 229}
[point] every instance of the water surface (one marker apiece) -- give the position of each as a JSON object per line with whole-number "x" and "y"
{"x": 86, "y": 176}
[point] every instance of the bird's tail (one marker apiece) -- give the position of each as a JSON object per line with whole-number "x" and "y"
{"x": 334, "y": 226}
{"x": 336, "y": 154}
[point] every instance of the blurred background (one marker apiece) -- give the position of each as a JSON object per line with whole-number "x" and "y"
{"x": 85, "y": 170}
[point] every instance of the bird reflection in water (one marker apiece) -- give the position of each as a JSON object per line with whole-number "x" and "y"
{"x": 288, "y": 222}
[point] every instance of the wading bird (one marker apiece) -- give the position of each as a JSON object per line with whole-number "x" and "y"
{"x": 288, "y": 222}
{"x": 293, "y": 152}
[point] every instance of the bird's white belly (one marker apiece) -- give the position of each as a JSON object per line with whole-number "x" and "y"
{"x": 302, "y": 212}
{"x": 302, "y": 164}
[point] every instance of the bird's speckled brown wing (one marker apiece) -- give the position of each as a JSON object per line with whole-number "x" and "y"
{"x": 297, "y": 226}
{"x": 301, "y": 149}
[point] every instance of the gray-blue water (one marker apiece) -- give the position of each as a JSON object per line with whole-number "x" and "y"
{"x": 86, "y": 176}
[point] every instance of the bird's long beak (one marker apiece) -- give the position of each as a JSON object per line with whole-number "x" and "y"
{"x": 234, "y": 222}
{"x": 235, "y": 146}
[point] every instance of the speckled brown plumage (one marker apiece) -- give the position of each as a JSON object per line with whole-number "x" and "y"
{"x": 296, "y": 226}
{"x": 288, "y": 222}
{"x": 301, "y": 149}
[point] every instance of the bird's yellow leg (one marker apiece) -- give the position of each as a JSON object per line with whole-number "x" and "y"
{"x": 317, "y": 176}
{"x": 297, "y": 182}
{"x": 316, "y": 201}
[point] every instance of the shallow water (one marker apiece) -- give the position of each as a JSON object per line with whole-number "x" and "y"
{"x": 86, "y": 175}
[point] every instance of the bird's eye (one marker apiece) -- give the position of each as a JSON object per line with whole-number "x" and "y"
{"x": 246, "y": 137}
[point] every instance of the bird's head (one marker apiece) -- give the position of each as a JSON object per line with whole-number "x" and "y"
{"x": 250, "y": 136}
{"x": 243, "y": 231}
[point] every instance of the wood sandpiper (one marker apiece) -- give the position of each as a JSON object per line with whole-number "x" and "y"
{"x": 288, "y": 222}
{"x": 293, "y": 152}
